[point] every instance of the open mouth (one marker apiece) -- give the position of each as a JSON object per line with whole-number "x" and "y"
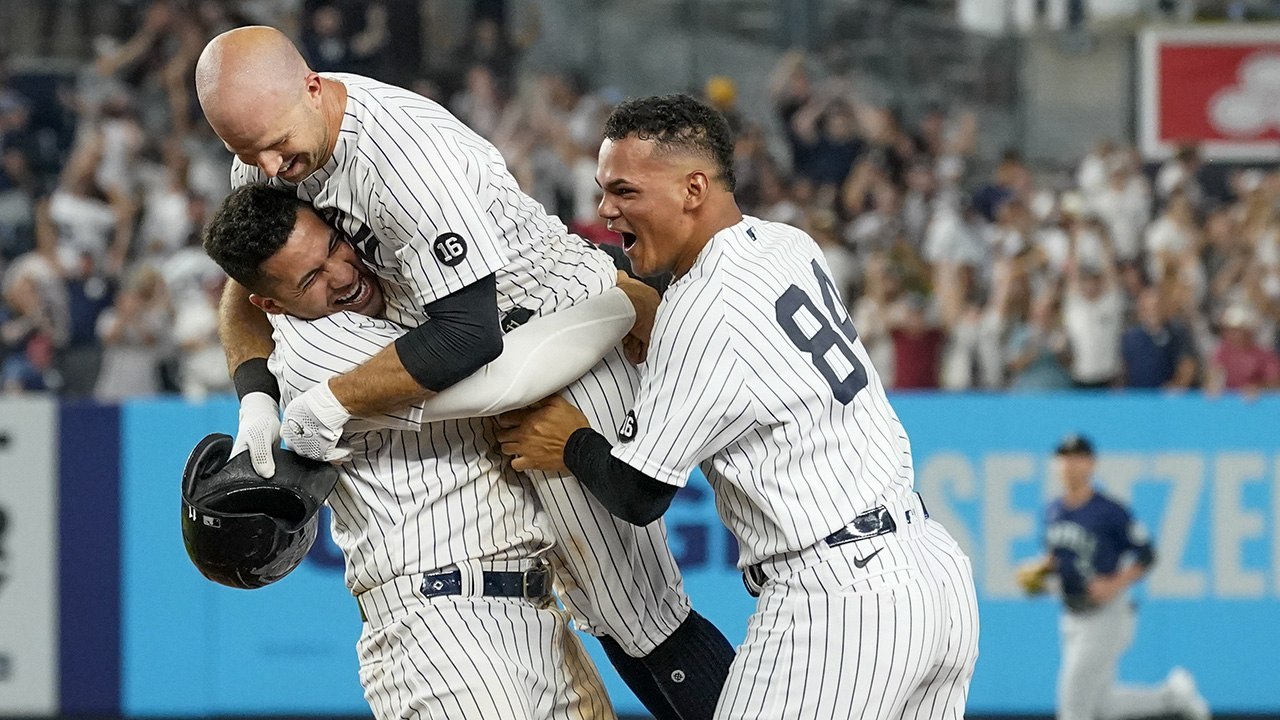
{"x": 628, "y": 240}
{"x": 285, "y": 168}
{"x": 358, "y": 295}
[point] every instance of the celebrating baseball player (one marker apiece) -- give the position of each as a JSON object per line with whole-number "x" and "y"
{"x": 756, "y": 374}
{"x": 434, "y": 214}
{"x": 1088, "y": 539}
{"x": 490, "y": 643}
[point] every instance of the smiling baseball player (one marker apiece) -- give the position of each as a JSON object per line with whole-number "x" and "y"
{"x": 484, "y": 638}
{"x": 755, "y": 373}
{"x": 433, "y": 212}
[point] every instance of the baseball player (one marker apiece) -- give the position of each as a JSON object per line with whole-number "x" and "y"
{"x": 433, "y": 212}
{"x": 458, "y": 625}
{"x": 756, "y": 375}
{"x": 1098, "y": 551}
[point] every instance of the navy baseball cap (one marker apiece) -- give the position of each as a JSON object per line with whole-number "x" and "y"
{"x": 1074, "y": 444}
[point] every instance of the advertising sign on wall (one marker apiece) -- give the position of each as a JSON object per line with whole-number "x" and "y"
{"x": 1202, "y": 474}
{"x": 28, "y": 557}
{"x": 1216, "y": 86}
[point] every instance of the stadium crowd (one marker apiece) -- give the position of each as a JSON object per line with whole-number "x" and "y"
{"x": 959, "y": 274}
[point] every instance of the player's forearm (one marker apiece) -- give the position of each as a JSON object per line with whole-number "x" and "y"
{"x": 538, "y": 359}
{"x": 244, "y": 329}
{"x": 379, "y": 386}
{"x": 624, "y": 491}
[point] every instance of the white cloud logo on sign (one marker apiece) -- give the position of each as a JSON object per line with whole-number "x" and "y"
{"x": 1252, "y": 106}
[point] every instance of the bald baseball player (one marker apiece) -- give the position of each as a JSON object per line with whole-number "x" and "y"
{"x": 755, "y": 374}
{"x": 487, "y": 640}
{"x": 433, "y": 212}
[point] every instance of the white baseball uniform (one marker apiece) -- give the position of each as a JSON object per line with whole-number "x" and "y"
{"x": 401, "y": 509}
{"x": 431, "y": 208}
{"x": 756, "y": 374}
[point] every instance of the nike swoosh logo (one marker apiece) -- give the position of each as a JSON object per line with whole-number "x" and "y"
{"x": 862, "y": 562}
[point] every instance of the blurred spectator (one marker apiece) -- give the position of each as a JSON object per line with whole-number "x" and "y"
{"x": 1181, "y": 174}
{"x": 1173, "y": 235}
{"x": 1124, "y": 204}
{"x": 1240, "y": 363}
{"x": 1093, "y": 315}
{"x": 722, "y": 94}
{"x": 135, "y": 336}
{"x": 489, "y": 46}
{"x": 1158, "y": 352}
{"x": 330, "y": 46}
{"x": 918, "y": 342}
{"x": 90, "y": 292}
{"x": 1012, "y": 180}
{"x": 31, "y": 329}
{"x": 79, "y": 216}
{"x": 202, "y": 362}
{"x": 17, "y": 181}
{"x": 1037, "y": 348}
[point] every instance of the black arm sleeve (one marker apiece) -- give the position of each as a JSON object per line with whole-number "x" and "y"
{"x": 253, "y": 376}
{"x": 461, "y": 336}
{"x": 623, "y": 490}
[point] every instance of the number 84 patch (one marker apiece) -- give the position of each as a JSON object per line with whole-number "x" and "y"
{"x": 450, "y": 249}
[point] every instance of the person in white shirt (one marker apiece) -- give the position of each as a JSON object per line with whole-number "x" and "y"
{"x": 1093, "y": 315}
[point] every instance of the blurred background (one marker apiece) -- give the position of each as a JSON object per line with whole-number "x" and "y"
{"x": 1044, "y": 215}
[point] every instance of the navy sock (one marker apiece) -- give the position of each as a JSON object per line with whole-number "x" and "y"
{"x": 637, "y": 677}
{"x": 691, "y": 666}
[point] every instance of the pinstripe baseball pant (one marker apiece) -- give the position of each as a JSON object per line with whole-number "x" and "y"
{"x": 471, "y": 657}
{"x": 884, "y": 627}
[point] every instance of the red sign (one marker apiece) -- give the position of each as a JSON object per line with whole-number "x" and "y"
{"x": 1217, "y": 86}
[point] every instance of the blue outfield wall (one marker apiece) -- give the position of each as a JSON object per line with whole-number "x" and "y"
{"x": 1203, "y": 474}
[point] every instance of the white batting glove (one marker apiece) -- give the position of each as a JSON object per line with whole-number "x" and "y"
{"x": 313, "y": 425}
{"x": 259, "y": 431}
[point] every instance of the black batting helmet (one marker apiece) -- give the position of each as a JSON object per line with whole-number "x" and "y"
{"x": 243, "y": 530}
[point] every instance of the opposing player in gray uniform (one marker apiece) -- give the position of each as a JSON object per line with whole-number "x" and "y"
{"x": 756, "y": 374}
{"x": 484, "y": 638}
{"x": 433, "y": 212}
{"x": 1098, "y": 550}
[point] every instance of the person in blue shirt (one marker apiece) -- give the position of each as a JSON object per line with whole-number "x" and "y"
{"x": 1098, "y": 550}
{"x": 1158, "y": 352}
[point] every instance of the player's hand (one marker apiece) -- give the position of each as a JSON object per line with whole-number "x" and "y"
{"x": 645, "y": 299}
{"x": 313, "y": 425}
{"x": 534, "y": 437}
{"x": 259, "y": 431}
{"x": 1032, "y": 577}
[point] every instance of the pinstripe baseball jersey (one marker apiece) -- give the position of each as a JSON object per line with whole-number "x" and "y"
{"x": 430, "y": 207}
{"x": 408, "y": 502}
{"x": 756, "y": 372}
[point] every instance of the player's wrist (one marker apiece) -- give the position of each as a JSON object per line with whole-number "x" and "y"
{"x": 329, "y": 409}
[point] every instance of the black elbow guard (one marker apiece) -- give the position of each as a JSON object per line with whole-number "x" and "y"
{"x": 462, "y": 336}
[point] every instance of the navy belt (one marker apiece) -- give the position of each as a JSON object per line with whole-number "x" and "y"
{"x": 873, "y": 523}
{"x": 533, "y": 584}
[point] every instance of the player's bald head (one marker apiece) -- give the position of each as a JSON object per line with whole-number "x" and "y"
{"x": 247, "y": 75}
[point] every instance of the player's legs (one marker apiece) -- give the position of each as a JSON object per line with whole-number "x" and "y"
{"x": 1133, "y": 701}
{"x": 837, "y": 641}
{"x": 945, "y": 689}
{"x": 478, "y": 658}
{"x": 621, "y": 581}
{"x": 1092, "y": 643}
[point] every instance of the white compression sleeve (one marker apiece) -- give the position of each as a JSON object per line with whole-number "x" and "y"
{"x": 539, "y": 358}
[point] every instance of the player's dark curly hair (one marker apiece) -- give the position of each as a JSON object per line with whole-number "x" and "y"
{"x": 677, "y": 121}
{"x": 252, "y": 224}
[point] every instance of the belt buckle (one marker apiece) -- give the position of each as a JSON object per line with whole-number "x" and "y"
{"x": 536, "y": 572}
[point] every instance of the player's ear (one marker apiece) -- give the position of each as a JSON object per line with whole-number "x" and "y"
{"x": 697, "y": 184}
{"x": 266, "y": 304}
